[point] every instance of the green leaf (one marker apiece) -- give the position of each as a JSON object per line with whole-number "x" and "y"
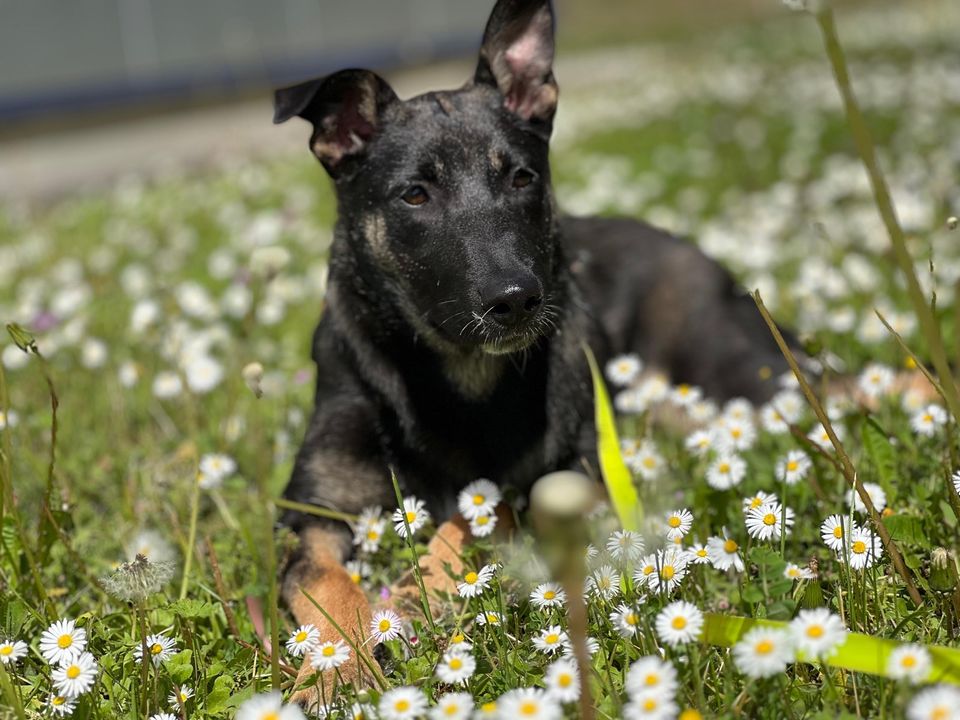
{"x": 623, "y": 495}
{"x": 180, "y": 666}
{"x": 882, "y": 456}
{"x": 190, "y": 609}
{"x": 949, "y": 516}
{"x": 907, "y": 528}
{"x": 217, "y": 699}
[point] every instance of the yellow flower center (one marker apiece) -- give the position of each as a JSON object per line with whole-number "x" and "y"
{"x": 792, "y": 465}
{"x": 702, "y": 552}
{"x": 651, "y": 680}
{"x": 355, "y": 577}
{"x": 549, "y": 595}
{"x": 648, "y": 569}
{"x": 73, "y": 672}
{"x": 763, "y": 647}
{"x": 649, "y": 463}
{"x": 372, "y": 535}
{"x": 565, "y": 680}
{"x": 479, "y": 499}
{"x": 674, "y": 522}
{"x": 65, "y": 641}
{"x": 755, "y": 503}
{"x": 401, "y": 705}
{"x": 927, "y": 417}
{"x": 838, "y": 532}
{"x": 859, "y": 547}
{"x": 909, "y": 661}
{"x": 491, "y": 618}
{"x": 630, "y": 619}
{"x": 529, "y": 708}
{"x": 6, "y": 650}
{"x": 411, "y": 516}
{"x": 552, "y": 639}
{"x": 471, "y": 577}
{"x": 488, "y": 708}
{"x": 769, "y": 519}
{"x": 482, "y": 520}
{"x": 815, "y": 631}
{"x": 723, "y": 468}
{"x": 456, "y": 663}
{"x": 156, "y": 649}
{"x": 730, "y": 546}
{"x": 58, "y": 701}
{"x": 736, "y": 433}
{"x": 679, "y": 622}
{"x": 939, "y": 713}
{"x": 690, "y": 714}
{"x": 451, "y": 709}
{"x": 667, "y": 572}
{"x": 793, "y": 572}
{"x": 300, "y": 636}
{"x": 456, "y": 639}
{"x": 384, "y": 625}
{"x": 649, "y": 704}
{"x": 329, "y": 650}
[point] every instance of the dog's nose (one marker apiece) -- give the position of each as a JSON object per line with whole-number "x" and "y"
{"x": 511, "y": 303}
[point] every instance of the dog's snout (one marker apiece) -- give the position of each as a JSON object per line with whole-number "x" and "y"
{"x": 514, "y": 301}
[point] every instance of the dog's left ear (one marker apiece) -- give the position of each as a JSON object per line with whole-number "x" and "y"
{"x": 517, "y": 58}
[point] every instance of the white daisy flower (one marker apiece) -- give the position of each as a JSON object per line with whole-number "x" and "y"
{"x": 604, "y": 582}
{"x": 650, "y": 674}
{"x": 941, "y": 702}
{"x": 699, "y": 443}
{"x": 203, "y": 373}
{"x": 875, "y": 380}
{"x": 726, "y": 472}
{"x": 551, "y": 639}
{"x": 956, "y": 482}
{"x": 167, "y": 385}
{"x": 863, "y": 550}
{"x": 766, "y": 522}
{"x": 160, "y": 647}
{"x": 489, "y": 617}
{"x": 763, "y": 652}
{"x": 268, "y": 706}
{"x": 562, "y": 680}
{"x": 164, "y": 716}
{"x": 645, "y": 571}
{"x": 216, "y": 467}
{"x": 329, "y": 655}
{"x": 876, "y": 493}
{"x": 761, "y": 498}
{"x": 671, "y": 565}
{"x": 733, "y": 436}
{"x": 648, "y": 463}
{"x": 532, "y": 703}
{"x": 625, "y": 620}
{"x": 794, "y": 572}
{"x": 909, "y": 662}
{"x": 738, "y": 409}
{"x": 179, "y": 696}
{"x": 362, "y": 711}
{"x": 368, "y": 531}
{"x": 11, "y": 651}
{"x": 685, "y": 395}
{"x": 357, "y": 569}
{"x": 629, "y": 402}
{"x": 625, "y": 546}
{"x": 679, "y": 622}
{"x": 61, "y": 641}
{"x": 385, "y": 626}
{"x": 459, "y": 643}
{"x": 834, "y": 529}
{"x": 703, "y": 411}
{"x": 93, "y": 353}
{"x": 698, "y": 554}
{"x": 474, "y": 583}
{"x": 926, "y": 422}
{"x": 453, "y": 706}
{"x": 817, "y": 633}
{"x": 547, "y": 595}
{"x": 414, "y": 512}
{"x": 724, "y": 553}
{"x": 456, "y": 667}
{"x": 61, "y": 706}
{"x": 650, "y": 706}
{"x": 304, "y": 639}
{"x": 75, "y": 675}
{"x": 478, "y": 498}
{"x": 624, "y": 369}
{"x": 8, "y": 419}
{"x": 402, "y": 703}
{"x": 818, "y": 436}
{"x": 483, "y": 525}
{"x": 793, "y": 468}
{"x": 679, "y": 523}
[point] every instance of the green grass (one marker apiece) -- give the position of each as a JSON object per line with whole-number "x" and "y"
{"x": 747, "y": 150}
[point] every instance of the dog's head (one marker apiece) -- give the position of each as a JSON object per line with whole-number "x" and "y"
{"x": 447, "y": 195}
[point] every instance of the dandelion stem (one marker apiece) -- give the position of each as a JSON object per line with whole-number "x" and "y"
{"x": 191, "y": 538}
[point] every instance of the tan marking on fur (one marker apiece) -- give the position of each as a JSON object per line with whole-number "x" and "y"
{"x": 495, "y": 158}
{"x": 475, "y": 375}
{"x": 375, "y": 232}
{"x": 319, "y": 574}
{"x": 443, "y": 101}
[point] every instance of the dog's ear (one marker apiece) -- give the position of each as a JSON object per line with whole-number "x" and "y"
{"x": 345, "y": 109}
{"x": 517, "y": 58}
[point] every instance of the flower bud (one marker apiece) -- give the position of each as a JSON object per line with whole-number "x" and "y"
{"x": 252, "y": 376}
{"x": 943, "y": 570}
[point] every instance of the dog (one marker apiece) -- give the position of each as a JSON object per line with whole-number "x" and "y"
{"x": 450, "y": 345}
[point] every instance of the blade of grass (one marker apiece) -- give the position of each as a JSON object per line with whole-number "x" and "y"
{"x": 417, "y": 573}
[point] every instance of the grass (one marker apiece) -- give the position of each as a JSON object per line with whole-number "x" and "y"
{"x": 752, "y": 156}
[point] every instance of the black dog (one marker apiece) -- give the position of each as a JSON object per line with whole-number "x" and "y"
{"x": 450, "y": 347}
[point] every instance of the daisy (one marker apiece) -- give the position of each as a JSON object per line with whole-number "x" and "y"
{"x": 765, "y": 522}
{"x": 772, "y": 420}
{"x": 738, "y": 409}
{"x": 733, "y": 436}
{"x": 834, "y": 529}
{"x": 724, "y": 553}
{"x": 819, "y": 437}
{"x": 167, "y": 385}
{"x": 75, "y": 675}
{"x": 653, "y": 389}
{"x": 679, "y": 622}
{"x": 703, "y": 411}
{"x": 304, "y": 639}
{"x": 414, "y": 513}
{"x": 909, "y": 662}
{"x": 385, "y": 626}
{"x": 357, "y": 569}
{"x": 164, "y": 716}
{"x": 697, "y": 554}
{"x": 625, "y": 546}
{"x": 551, "y": 639}
{"x": 793, "y": 468}
{"x": 624, "y": 369}
{"x": 592, "y": 646}
{"x": 483, "y": 525}
{"x": 11, "y": 651}
{"x": 532, "y": 703}
{"x": 863, "y": 550}
{"x": 268, "y": 706}
{"x": 547, "y": 595}
{"x": 478, "y": 498}
{"x": 604, "y": 582}
{"x": 369, "y": 533}
{"x": 61, "y": 705}
{"x": 817, "y": 633}
{"x": 876, "y": 494}
{"x": 179, "y": 696}
{"x": 160, "y": 647}
{"x": 625, "y": 620}
{"x": 650, "y": 706}
{"x": 941, "y": 702}
{"x": 679, "y": 523}
{"x": 474, "y": 583}
{"x": 453, "y": 706}
{"x": 648, "y": 462}
{"x": 794, "y": 572}
{"x": 926, "y": 422}
{"x": 362, "y": 711}
{"x": 685, "y": 395}
{"x": 699, "y": 443}
{"x": 875, "y": 380}
{"x": 956, "y": 482}
{"x": 217, "y": 467}
{"x": 761, "y": 498}
{"x": 726, "y": 472}
{"x": 651, "y": 674}
{"x": 61, "y": 641}
{"x": 456, "y": 667}
{"x": 671, "y": 569}
{"x": 459, "y": 643}
{"x": 402, "y": 703}
{"x": 763, "y": 652}
{"x": 329, "y": 655}
{"x": 489, "y": 617}
{"x": 8, "y": 419}
{"x": 562, "y": 680}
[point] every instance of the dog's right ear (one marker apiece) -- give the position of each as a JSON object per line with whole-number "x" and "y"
{"x": 345, "y": 109}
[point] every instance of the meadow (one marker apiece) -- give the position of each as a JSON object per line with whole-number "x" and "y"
{"x": 155, "y": 382}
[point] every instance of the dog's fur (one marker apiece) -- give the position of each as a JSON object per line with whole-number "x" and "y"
{"x": 450, "y": 346}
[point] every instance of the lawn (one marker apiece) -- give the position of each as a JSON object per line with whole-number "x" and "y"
{"x": 170, "y": 384}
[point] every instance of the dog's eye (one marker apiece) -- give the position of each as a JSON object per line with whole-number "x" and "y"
{"x": 522, "y": 178}
{"x": 415, "y": 195}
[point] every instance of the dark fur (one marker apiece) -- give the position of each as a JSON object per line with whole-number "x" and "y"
{"x": 414, "y": 373}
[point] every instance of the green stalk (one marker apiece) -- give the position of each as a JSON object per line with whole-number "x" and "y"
{"x": 881, "y": 195}
{"x": 417, "y": 573}
{"x": 191, "y": 538}
{"x": 13, "y": 700}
